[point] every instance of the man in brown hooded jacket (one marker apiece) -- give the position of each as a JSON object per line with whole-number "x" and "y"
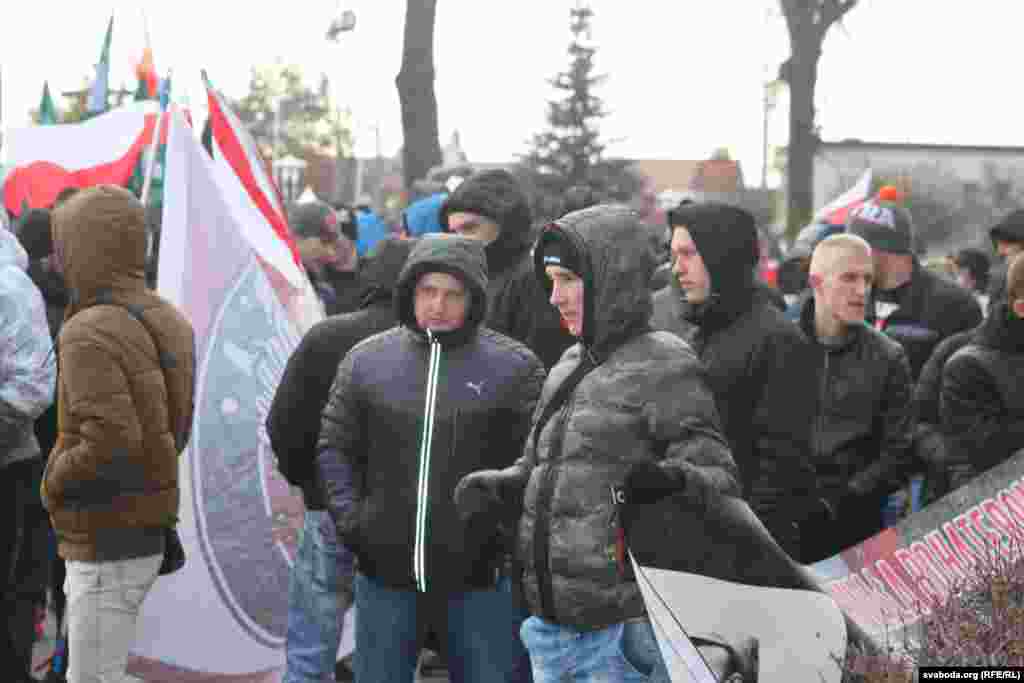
{"x": 125, "y": 403}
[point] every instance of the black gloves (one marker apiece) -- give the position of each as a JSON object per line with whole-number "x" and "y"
{"x": 487, "y": 491}
{"x": 648, "y": 483}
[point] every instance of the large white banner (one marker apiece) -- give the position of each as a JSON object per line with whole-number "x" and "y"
{"x": 223, "y": 617}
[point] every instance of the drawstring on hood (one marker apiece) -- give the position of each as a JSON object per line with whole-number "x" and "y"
{"x": 617, "y": 256}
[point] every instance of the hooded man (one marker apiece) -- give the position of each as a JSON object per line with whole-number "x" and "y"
{"x": 321, "y": 578}
{"x": 492, "y": 208}
{"x": 28, "y": 370}
{"x": 411, "y": 411}
{"x": 125, "y": 406}
{"x": 626, "y": 409}
{"x": 757, "y": 361}
{"x": 1008, "y": 240}
{"x": 982, "y": 403}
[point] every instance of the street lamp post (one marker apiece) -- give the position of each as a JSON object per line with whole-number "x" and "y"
{"x": 343, "y": 23}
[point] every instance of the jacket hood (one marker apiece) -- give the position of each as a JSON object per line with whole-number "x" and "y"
{"x": 11, "y": 252}
{"x": 726, "y": 238}
{"x": 1002, "y": 330}
{"x": 459, "y": 256}
{"x": 618, "y": 256}
{"x": 499, "y": 196}
{"x": 99, "y": 236}
{"x": 381, "y": 268}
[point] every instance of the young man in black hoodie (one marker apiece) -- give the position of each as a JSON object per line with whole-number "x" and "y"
{"x": 757, "y": 361}
{"x": 321, "y": 579}
{"x": 411, "y": 411}
{"x": 982, "y": 401}
{"x": 491, "y": 207}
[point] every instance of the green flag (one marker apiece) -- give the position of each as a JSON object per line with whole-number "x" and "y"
{"x": 47, "y": 112}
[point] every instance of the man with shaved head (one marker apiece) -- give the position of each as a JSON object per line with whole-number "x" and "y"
{"x": 862, "y": 444}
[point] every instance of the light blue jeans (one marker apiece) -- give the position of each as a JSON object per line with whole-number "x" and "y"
{"x": 319, "y": 593}
{"x": 479, "y": 626}
{"x": 621, "y": 653}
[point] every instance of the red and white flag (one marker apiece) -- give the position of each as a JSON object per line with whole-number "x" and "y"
{"x": 836, "y": 211}
{"x": 102, "y": 150}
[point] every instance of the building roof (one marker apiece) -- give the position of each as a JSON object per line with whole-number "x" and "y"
{"x": 710, "y": 175}
{"x": 854, "y": 143}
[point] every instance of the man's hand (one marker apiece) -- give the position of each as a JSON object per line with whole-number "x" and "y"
{"x": 478, "y": 493}
{"x": 648, "y": 483}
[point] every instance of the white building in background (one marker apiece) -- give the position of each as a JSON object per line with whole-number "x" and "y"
{"x": 966, "y": 169}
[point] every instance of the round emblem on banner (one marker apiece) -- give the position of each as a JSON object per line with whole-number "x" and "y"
{"x": 247, "y": 515}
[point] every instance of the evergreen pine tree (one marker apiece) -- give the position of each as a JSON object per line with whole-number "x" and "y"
{"x": 570, "y": 153}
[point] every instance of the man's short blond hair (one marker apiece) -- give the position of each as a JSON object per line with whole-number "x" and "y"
{"x": 831, "y": 250}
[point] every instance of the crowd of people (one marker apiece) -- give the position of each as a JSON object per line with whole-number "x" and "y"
{"x": 493, "y": 413}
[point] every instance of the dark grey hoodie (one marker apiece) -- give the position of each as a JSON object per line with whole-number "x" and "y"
{"x": 409, "y": 415}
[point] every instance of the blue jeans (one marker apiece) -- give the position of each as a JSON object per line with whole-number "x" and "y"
{"x": 318, "y": 596}
{"x": 620, "y": 653}
{"x": 479, "y": 630}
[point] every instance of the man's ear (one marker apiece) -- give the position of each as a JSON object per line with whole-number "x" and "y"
{"x": 814, "y": 280}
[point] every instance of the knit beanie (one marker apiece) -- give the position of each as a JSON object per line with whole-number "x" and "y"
{"x": 559, "y": 252}
{"x": 885, "y": 225}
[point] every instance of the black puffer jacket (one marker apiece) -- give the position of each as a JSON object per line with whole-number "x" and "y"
{"x": 293, "y": 422}
{"x": 930, "y": 309}
{"x": 757, "y": 365}
{"x": 983, "y": 396}
{"x": 644, "y": 401}
{"x": 863, "y": 438}
{"x": 930, "y": 442}
{"x": 373, "y": 431}
{"x": 516, "y": 305}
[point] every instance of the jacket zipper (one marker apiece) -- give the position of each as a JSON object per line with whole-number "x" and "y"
{"x": 819, "y": 423}
{"x": 542, "y": 527}
{"x": 419, "y": 556}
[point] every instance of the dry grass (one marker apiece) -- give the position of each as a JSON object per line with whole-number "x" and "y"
{"x": 979, "y": 624}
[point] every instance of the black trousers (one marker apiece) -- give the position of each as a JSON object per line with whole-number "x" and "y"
{"x": 24, "y": 562}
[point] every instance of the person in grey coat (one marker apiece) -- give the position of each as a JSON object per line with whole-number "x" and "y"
{"x": 28, "y": 373}
{"x": 625, "y": 415}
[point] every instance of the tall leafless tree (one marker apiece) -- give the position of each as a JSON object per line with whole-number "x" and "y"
{"x": 808, "y": 22}
{"x": 421, "y": 149}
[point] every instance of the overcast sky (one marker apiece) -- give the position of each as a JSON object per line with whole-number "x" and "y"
{"x": 684, "y": 77}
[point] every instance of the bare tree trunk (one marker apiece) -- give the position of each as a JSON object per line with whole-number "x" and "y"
{"x": 803, "y": 142}
{"x": 421, "y": 149}
{"x": 808, "y": 22}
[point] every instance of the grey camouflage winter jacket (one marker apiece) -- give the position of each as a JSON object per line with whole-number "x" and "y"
{"x": 646, "y": 400}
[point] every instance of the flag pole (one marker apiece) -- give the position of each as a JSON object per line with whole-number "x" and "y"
{"x": 153, "y": 145}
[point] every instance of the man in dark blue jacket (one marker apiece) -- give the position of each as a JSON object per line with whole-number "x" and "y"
{"x": 321, "y": 579}
{"x": 413, "y": 410}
